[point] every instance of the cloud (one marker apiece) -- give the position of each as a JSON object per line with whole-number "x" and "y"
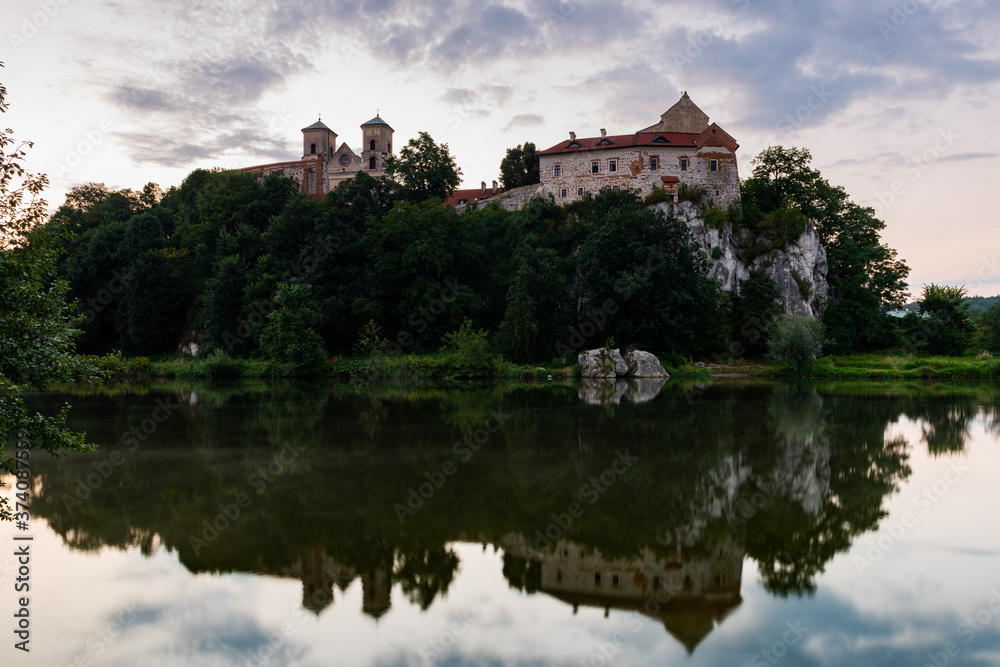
{"x": 962, "y": 157}
{"x": 525, "y": 120}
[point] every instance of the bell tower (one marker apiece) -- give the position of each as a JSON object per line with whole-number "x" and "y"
{"x": 376, "y": 144}
{"x": 318, "y": 139}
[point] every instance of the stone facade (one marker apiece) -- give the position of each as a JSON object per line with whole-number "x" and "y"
{"x": 682, "y": 148}
{"x": 324, "y": 165}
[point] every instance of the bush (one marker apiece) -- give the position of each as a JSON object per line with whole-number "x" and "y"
{"x": 467, "y": 353}
{"x": 717, "y": 252}
{"x": 657, "y": 196}
{"x": 715, "y": 218}
{"x": 796, "y": 341}
{"x": 691, "y": 193}
{"x": 218, "y": 364}
{"x": 139, "y": 368}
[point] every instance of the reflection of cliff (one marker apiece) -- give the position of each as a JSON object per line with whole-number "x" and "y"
{"x": 690, "y": 596}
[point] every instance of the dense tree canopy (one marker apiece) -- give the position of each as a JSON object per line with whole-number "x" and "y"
{"x": 425, "y": 169}
{"x": 519, "y": 167}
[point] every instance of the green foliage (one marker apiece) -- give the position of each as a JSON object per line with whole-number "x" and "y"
{"x": 370, "y": 340}
{"x": 37, "y": 325}
{"x": 692, "y": 193}
{"x": 467, "y": 352}
{"x": 218, "y": 364}
{"x": 944, "y": 325}
{"x": 753, "y": 306}
{"x": 425, "y": 169}
{"x": 157, "y": 300}
{"x": 717, "y": 252}
{"x": 223, "y": 304}
{"x": 796, "y": 341}
{"x": 715, "y": 218}
{"x": 989, "y": 328}
{"x": 519, "y": 167}
{"x": 645, "y": 280}
{"x": 538, "y": 306}
{"x": 805, "y": 287}
{"x": 289, "y": 335}
{"x": 657, "y": 196}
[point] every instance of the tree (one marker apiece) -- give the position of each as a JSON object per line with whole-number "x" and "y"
{"x": 753, "y": 306}
{"x": 289, "y": 335}
{"x": 519, "y": 167}
{"x": 157, "y": 303}
{"x": 425, "y": 168}
{"x": 538, "y": 306}
{"x": 37, "y": 325}
{"x": 989, "y": 328}
{"x": 797, "y": 341}
{"x": 866, "y": 277}
{"x": 944, "y": 324}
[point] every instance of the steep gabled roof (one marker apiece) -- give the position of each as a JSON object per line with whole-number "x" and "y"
{"x": 645, "y": 139}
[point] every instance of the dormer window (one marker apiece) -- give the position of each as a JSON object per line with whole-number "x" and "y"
{"x": 660, "y": 140}
{"x": 574, "y": 144}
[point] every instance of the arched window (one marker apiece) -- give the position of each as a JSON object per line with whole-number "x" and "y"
{"x": 371, "y": 145}
{"x": 371, "y": 163}
{"x": 312, "y": 149}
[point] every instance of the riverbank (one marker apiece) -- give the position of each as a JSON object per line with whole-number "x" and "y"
{"x": 875, "y": 366}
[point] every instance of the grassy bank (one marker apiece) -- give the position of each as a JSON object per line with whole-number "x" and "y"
{"x": 883, "y": 366}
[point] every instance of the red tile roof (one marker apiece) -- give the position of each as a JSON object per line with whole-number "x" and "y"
{"x": 645, "y": 139}
{"x": 671, "y": 179}
{"x": 470, "y": 195}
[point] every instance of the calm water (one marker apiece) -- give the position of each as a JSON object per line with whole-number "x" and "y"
{"x": 742, "y": 524}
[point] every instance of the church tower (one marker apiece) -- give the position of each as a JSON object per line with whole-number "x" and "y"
{"x": 376, "y": 144}
{"x": 318, "y": 139}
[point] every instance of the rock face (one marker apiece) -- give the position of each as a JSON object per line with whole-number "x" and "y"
{"x": 609, "y": 364}
{"x": 799, "y": 271}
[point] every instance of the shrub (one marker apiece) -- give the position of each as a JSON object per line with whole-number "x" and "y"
{"x": 218, "y": 364}
{"x": 805, "y": 288}
{"x": 796, "y": 341}
{"x": 716, "y": 252}
{"x": 657, "y": 196}
{"x": 715, "y": 218}
{"x": 467, "y": 353}
{"x": 691, "y": 193}
{"x": 139, "y": 368}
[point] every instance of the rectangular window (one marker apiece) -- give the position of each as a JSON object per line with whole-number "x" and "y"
{"x": 615, "y": 188}
{"x": 713, "y": 165}
{"x": 684, "y": 164}
{"x": 654, "y": 163}
{"x": 563, "y": 193}
{"x": 595, "y": 167}
{"x": 612, "y": 165}
{"x": 579, "y": 192}
{"x": 557, "y": 170}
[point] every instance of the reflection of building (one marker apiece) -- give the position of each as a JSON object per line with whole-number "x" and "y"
{"x": 692, "y": 594}
{"x": 319, "y": 573}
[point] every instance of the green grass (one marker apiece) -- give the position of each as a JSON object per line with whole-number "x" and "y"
{"x": 895, "y": 367}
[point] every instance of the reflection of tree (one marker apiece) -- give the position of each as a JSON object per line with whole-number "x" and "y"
{"x": 792, "y": 547}
{"x": 425, "y": 574}
{"x": 945, "y": 425}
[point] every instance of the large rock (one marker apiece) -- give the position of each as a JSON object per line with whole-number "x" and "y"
{"x": 602, "y": 363}
{"x": 644, "y": 365}
{"x": 799, "y": 271}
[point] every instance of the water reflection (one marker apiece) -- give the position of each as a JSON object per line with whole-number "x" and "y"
{"x": 786, "y": 476}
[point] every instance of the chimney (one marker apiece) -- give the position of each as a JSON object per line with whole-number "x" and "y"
{"x": 495, "y": 187}
{"x": 572, "y": 136}
{"x": 604, "y": 133}
{"x": 482, "y": 189}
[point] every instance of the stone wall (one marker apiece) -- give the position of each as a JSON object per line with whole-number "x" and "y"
{"x": 308, "y": 173}
{"x": 634, "y": 170}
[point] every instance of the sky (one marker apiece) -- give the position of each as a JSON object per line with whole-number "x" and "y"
{"x": 896, "y": 100}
